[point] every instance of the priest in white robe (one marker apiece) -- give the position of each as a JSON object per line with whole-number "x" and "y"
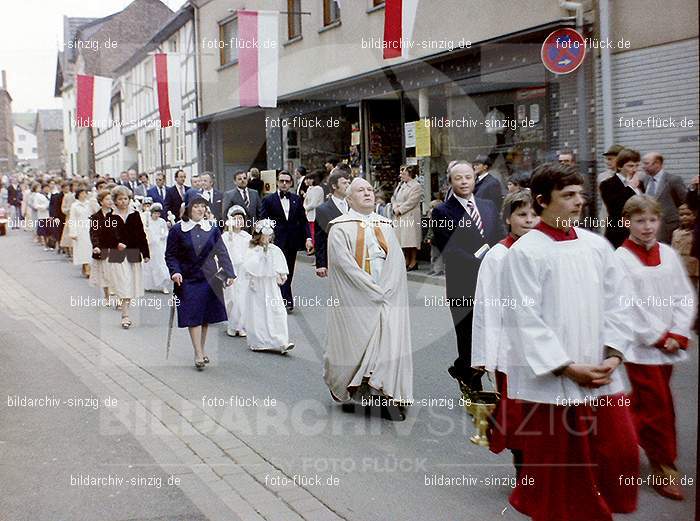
{"x": 368, "y": 353}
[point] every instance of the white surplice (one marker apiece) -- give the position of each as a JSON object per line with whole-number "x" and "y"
{"x": 489, "y": 341}
{"x": 266, "y": 315}
{"x": 568, "y": 308}
{"x": 238, "y": 247}
{"x": 155, "y": 271}
{"x": 662, "y": 299}
{"x": 80, "y": 232}
{"x": 369, "y": 332}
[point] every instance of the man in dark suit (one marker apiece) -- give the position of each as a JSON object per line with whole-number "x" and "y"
{"x": 334, "y": 206}
{"x": 206, "y": 189}
{"x": 254, "y": 181}
{"x": 616, "y": 190}
{"x": 133, "y": 184}
{"x": 14, "y": 200}
{"x": 291, "y": 227}
{"x": 668, "y": 189}
{"x": 245, "y": 197}
{"x": 124, "y": 179}
{"x": 157, "y": 192}
{"x": 175, "y": 195}
{"x": 464, "y": 228}
{"x": 487, "y": 186}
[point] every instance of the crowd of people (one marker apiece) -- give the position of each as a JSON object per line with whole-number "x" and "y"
{"x": 586, "y": 304}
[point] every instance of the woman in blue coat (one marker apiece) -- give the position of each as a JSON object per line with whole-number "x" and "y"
{"x": 200, "y": 267}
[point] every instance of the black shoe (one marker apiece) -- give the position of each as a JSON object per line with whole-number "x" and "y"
{"x": 349, "y": 408}
{"x": 393, "y": 413}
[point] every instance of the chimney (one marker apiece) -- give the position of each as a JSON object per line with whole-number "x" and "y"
{"x": 4, "y": 81}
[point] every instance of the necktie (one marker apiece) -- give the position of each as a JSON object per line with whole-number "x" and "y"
{"x": 162, "y": 195}
{"x": 283, "y": 195}
{"x": 651, "y": 188}
{"x": 474, "y": 215}
{"x": 246, "y": 199}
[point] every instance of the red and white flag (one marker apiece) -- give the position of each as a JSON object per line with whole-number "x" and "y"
{"x": 93, "y": 100}
{"x": 258, "y": 58}
{"x": 168, "y": 87}
{"x": 399, "y": 19}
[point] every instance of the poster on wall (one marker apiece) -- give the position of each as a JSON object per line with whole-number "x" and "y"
{"x": 410, "y": 134}
{"x": 269, "y": 179}
{"x": 422, "y": 138}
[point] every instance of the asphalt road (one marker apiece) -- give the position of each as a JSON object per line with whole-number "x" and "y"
{"x": 367, "y": 469}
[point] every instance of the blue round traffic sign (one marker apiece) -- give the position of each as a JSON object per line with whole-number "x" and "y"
{"x": 563, "y": 51}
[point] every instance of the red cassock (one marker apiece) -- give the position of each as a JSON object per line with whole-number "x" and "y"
{"x": 573, "y": 460}
{"x": 651, "y": 398}
{"x": 505, "y": 420}
{"x": 580, "y": 458}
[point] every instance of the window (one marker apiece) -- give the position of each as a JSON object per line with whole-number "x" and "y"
{"x": 22, "y": 137}
{"x": 33, "y": 150}
{"x": 293, "y": 19}
{"x": 149, "y": 151}
{"x": 331, "y": 12}
{"x": 377, "y": 3}
{"x": 177, "y": 137}
{"x": 20, "y": 150}
{"x": 173, "y": 44}
{"x": 149, "y": 84}
{"x": 228, "y": 33}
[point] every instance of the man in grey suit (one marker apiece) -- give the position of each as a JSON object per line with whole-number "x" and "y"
{"x": 668, "y": 189}
{"x": 133, "y": 184}
{"x": 243, "y": 196}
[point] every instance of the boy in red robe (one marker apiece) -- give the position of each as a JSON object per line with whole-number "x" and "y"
{"x": 567, "y": 335}
{"x": 665, "y": 306}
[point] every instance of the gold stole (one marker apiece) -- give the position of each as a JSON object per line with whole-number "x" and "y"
{"x": 361, "y": 252}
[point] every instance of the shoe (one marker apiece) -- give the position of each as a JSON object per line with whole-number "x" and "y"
{"x": 288, "y": 347}
{"x": 126, "y": 323}
{"x": 166, "y": 291}
{"x": 231, "y": 333}
{"x": 206, "y": 359}
{"x": 199, "y": 365}
{"x": 411, "y": 268}
{"x": 665, "y": 482}
{"x": 290, "y": 309}
{"x": 349, "y": 408}
{"x": 394, "y": 413}
{"x": 242, "y": 333}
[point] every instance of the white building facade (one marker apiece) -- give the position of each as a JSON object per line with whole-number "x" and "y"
{"x": 136, "y": 140}
{"x": 25, "y": 145}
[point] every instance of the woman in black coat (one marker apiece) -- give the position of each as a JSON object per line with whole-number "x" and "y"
{"x": 103, "y": 240}
{"x": 125, "y": 277}
{"x": 200, "y": 267}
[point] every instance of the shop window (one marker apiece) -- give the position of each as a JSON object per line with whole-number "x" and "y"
{"x": 292, "y": 144}
{"x": 293, "y": 19}
{"x": 228, "y": 32}
{"x": 331, "y": 12}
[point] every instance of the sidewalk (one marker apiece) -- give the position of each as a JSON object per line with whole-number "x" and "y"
{"x": 222, "y": 476}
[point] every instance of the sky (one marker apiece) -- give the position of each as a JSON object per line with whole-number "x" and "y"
{"x": 31, "y": 34}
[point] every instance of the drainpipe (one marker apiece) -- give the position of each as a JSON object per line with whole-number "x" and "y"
{"x": 606, "y": 74}
{"x": 582, "y": 110}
